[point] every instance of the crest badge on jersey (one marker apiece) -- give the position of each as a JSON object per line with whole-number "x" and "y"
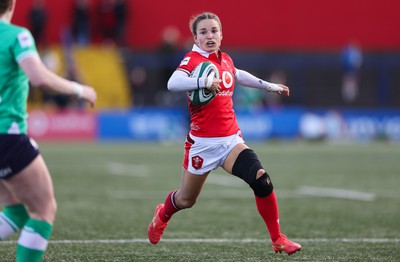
{"x": 197, "y": 162}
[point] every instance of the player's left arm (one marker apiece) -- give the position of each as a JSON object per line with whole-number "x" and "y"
{"x": 246, "y": 79}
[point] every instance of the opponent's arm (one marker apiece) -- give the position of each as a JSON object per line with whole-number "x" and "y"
{"x": 40, "y": 76}
{"x": 246, "y": 79}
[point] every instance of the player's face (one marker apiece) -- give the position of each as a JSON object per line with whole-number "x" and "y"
{"x": 209, "y": 35}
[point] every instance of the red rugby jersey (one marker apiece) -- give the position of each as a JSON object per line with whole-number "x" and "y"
{"x": 217, "y": 118}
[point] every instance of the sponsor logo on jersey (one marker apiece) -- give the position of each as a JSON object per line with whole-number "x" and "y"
{"x": 24, "y": 39}
{"x": 185, "y": 61}
{"x": 225, "y": 93}
{"x": 197, "y": 162}
{"x": 227, "y": 79}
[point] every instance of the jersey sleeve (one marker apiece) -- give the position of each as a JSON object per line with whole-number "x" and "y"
{"x": 24, "y": 45}
{"x": 189, "y": 62}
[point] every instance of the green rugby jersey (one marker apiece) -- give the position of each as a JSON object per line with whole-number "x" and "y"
{"x": 16, "y": 43}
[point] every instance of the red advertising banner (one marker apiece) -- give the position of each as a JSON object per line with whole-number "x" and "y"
{"x": 62, "y": 125}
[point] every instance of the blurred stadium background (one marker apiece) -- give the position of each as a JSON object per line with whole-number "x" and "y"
{"x": 340, "y": 199}
{"x": 127, "y": 53}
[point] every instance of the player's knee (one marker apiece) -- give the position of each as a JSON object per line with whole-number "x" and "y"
{"x": 53, "y": 207}
{"x": 262, "y": 187}
{"x": 248, "y": 167}
{"x": 46, "y": 212}
{"x": 49, "y": 210}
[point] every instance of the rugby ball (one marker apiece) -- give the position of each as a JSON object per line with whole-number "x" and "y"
{"x": 202, "y": 96}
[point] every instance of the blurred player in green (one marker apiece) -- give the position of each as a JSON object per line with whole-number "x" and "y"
{"x": 26, "y": 189}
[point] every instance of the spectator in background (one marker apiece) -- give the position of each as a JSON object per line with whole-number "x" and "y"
{"x": 169, "y": 50}
{"x": 352, "y": 61}
{"x": 139, "y": 79}
{"x": 81, "y": 22}
{"x": 107, "y": 21}
{"x": 37, "y": 20}
{"x": 120, "y": 11}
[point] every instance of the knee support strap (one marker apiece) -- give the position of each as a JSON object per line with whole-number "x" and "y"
{"x": 246, "y": 167}
{"x": 262, "y": 187}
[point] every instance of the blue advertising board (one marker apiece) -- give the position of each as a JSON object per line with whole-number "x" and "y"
{"x": 151, "y": 124}
{"x": 166, "y": 124}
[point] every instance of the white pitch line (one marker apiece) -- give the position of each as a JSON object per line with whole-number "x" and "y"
{"x": 218, "y": 240}
{"x": 224, "y": 180}
{"x": 122, "y": 169}
{"x": 336, "y": 193}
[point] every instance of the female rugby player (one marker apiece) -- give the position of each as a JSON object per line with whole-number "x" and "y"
{"x": 26, "y": 189}
{"x": 215, "y": 139}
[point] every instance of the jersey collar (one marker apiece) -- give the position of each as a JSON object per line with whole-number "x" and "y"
{"x": 197, "y": 49}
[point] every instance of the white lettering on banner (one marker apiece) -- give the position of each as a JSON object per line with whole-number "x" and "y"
{"x": 255, "y": 126}
{"x": 71, "y": 122}
{"x": 155, "y": 126}
{"x": 38, "y": 123}
{"x": 145, "y": 125}
{"x": 392, "y": 128}
{"x": 42, "y": 124}
{"x": 370, "y": 127}
{"x": 362, "y": 128}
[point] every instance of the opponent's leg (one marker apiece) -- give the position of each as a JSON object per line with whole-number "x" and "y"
{"x": 33, "y": 186}
{"x": 14, "y": 215}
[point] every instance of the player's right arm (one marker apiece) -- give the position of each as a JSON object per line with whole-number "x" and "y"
{"x": 40, "y": 76}
{"x": 181, "y": 81}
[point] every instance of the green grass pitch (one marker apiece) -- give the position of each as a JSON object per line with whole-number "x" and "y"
{"x": 340, "y": 201}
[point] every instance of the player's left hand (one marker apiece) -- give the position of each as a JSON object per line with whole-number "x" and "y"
{"x": 286, "y": 90}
